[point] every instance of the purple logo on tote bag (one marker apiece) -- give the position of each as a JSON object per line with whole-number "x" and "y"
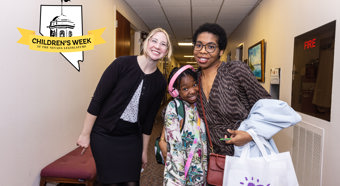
{"x": 251, "y": 183}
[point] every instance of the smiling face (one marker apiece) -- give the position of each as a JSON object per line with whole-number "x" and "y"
{"x": 188, "y": 90}
{"x": 203, "y": 54}
{"x": 157, "y": 46}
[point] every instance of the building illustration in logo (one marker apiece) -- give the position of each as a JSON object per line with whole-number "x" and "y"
{"x": 61, "y": 26}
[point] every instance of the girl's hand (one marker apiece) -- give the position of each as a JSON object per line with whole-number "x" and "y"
{"x": 163, "y": 147}
{"x": 238, "y": 137}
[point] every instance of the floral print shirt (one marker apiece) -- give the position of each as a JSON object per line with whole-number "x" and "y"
{"x": 179, "y": 147}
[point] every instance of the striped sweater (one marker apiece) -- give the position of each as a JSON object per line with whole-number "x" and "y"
{"x": 233, "y": 93}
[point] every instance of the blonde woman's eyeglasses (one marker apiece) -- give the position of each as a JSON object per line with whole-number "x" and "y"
{"x": 161, "y": 44}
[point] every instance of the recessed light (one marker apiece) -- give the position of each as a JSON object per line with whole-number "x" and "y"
{"x": 188, "y": 56}
{"x": 185, "y": 44}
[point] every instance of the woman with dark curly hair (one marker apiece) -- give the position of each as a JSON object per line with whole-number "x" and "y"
{"x": 231, "y": 100}
{"x": 228, "y": 90}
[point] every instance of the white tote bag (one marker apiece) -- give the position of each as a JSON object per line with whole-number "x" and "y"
{"x": 274, "y": 169}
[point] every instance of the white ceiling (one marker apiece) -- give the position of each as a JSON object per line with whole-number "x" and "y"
{"x": 182, "y": 17}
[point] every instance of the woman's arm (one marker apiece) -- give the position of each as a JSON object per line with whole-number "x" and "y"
{"x": 146, "y": 139}
{"x": 104, "y": 87}
{"x": 106, "y": 84}
{"x": 254, "y": 91}
{"x": 84, "y": 138}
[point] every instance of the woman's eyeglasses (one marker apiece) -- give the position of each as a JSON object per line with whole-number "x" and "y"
{"x": 161, "y": 44}
{"x": 209, "y": 47}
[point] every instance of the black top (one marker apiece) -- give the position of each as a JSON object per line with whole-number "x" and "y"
{"x": 116, "y": 88}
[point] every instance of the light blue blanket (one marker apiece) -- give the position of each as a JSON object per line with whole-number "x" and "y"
{"x": 266, "y": 118}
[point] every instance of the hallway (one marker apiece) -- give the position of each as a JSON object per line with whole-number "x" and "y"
{"x": 153, "y": 174}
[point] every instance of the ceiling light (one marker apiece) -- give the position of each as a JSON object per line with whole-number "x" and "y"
{"x": 188, "y": 56}
{"x": 185, "y": 44}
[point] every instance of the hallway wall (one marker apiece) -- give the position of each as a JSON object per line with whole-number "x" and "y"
{"x": 43, "y": 97}
{"x": 278, "y": 22}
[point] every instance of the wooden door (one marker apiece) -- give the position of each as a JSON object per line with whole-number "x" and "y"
{"x": 123, "y": 39}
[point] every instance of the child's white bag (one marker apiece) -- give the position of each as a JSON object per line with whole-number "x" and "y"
{"x": 272, "y": 169}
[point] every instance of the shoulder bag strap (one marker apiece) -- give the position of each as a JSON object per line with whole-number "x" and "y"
{"x": 193, "y": 147}
{"x": 204, "y": 117}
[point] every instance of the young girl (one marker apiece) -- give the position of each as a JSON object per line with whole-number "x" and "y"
{"x": 186, "y": 162}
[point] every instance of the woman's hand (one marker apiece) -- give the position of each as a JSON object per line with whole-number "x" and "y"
{"x": 84, "y": 138}
{"x": 238, "y": 137}
{"x": 83, "y": 141}
{"x": 144, "y": 159}
{"x": 146, "y": 139}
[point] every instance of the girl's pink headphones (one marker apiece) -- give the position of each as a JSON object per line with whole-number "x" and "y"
{"x": 172, "y": 91}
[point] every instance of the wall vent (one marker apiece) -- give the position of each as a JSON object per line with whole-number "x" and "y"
{"x": 307, "y": 154}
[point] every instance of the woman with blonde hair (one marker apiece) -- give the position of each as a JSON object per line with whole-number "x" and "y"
{"x": 121, "y": 113}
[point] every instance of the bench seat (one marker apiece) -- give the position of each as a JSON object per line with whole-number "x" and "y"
{"x": 71, "y": 168}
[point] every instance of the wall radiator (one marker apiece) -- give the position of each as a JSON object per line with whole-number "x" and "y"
{"x": 307, "y": 154}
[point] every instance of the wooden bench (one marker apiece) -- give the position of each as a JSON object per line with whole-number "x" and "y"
{"x": 71, "y": 168}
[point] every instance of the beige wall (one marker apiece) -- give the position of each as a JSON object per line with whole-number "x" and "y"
{"x": 278, "y": 22}
{"x": 43, "y": 98}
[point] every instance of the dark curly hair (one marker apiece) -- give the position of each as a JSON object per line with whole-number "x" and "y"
{"x": 187, "y": 72}
{"x": 214, "y": 29}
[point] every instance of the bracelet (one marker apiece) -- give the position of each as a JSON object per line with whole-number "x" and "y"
{"x": 162, "y": 139}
